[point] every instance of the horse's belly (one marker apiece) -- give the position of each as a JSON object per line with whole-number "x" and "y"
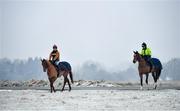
{"x": 64, "y": 73}
{"x": 144, "y": 70}
{"x": 52, "y": 75}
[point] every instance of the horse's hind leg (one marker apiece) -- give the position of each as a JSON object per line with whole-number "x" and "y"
{"x": 154, "y": 74}
{"x": 65, "y": 80}
{"x": 154, "y": 77}
{"x": 69, "y": 84}
{"x": 158, "y": 73}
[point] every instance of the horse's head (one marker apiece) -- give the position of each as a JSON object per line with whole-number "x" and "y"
{"x": 44, "y": 64}
{"x": 136, "y": 56}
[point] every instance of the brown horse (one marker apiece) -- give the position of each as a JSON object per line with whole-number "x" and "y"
{"x": 144, "y": 68}
{"x": 53, "y": 74}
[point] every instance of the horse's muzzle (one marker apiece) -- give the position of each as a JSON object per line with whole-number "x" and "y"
{"x": 134, "y": 61}
{"x": 44, "y": 69}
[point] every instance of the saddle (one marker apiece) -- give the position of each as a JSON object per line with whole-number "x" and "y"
{"x": 60, "y": 67}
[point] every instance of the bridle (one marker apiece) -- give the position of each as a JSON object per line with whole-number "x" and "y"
{"x": 44, "y": 64}
{"x": 136, "y": 57}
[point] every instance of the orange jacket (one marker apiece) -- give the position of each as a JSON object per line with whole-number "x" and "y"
{"x": 54, "y": 55}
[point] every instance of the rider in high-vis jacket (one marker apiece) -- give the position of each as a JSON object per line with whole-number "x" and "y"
{"x": 146, "y": 54}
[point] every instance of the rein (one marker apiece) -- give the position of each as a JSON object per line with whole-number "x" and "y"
{"x": 139, "y": 58}
{"x": 46, "y": 64}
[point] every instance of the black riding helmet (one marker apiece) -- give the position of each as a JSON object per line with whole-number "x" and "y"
{"x": 144, "y": 45}
{"x": 54, "y": 47}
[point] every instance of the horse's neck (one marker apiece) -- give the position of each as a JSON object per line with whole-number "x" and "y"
{"x": 50, "y": 66}
{"x": 142, "y": 62}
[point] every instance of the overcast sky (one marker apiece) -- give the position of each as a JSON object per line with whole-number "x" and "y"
{"x": 105, "y": 31}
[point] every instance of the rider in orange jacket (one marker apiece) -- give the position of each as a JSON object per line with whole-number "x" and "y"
{"x": 54, "y": 56}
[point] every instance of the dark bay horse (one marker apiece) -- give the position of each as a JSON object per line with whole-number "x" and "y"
{"x": 53, "y": 74}
{"x": 144, "y": 68}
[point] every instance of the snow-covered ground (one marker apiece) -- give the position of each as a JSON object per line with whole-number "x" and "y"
{"x": 89, "y": 96}
{"x": 90, "y": 100}
{"x": 84, "y": 83}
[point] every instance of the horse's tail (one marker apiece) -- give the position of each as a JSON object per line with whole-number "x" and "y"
{"x": 71, "y": 76}
{"x": 161, "y": 67}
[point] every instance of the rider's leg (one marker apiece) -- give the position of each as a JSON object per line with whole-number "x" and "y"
{"x": 148, "y": 60}
{"x": 56, "y": 64}
{"x": 150, "y": 63}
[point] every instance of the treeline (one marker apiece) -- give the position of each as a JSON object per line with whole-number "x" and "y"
{"x": 94, "y": 71}
{"x": 21, "y": 69}
{"x": 171, "y": 70}
{"x": 32, "y": 69}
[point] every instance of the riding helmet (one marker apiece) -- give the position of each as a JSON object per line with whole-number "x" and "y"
{"x": 54, "y": 47}
{"x": 144, "y": 44}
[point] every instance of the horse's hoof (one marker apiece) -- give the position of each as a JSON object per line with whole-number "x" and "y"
{"x": 141, "y": 88}
{"x": 155, "y": 87}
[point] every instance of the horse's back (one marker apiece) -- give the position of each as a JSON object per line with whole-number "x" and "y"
{"x": 157, "y": 63}
{"x": 66, "y": 65}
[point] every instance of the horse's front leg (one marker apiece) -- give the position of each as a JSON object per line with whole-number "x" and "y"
{"x": 141, "y": 80}
{"x": 147, "y": 75}
{"x": 51, "y": 80}
{"x": 53, "y": 88}
{"x": 50, "y": 85}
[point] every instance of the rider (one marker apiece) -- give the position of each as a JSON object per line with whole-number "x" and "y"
{"x": 146, "y": 54}
{"x": 54, "y": 56}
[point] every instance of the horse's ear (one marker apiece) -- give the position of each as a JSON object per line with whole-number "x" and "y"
{"x": 134, "y": 52}
{"x": 41, "y": 60}
{"x": 137, "y": 52}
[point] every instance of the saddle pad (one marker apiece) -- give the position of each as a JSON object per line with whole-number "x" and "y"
{"x": 156, "y": 63}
